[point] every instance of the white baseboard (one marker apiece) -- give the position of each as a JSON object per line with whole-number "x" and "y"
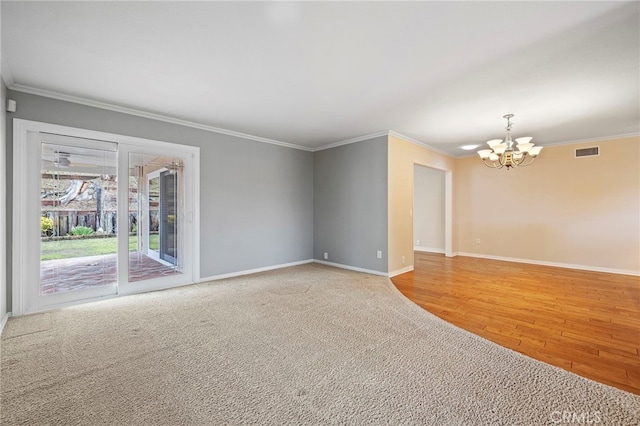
{"x": 254, "y": 271}
{"x": 428, "y": 249}
{"x": 351, "y": 268}
{"x": 554, "y": 264}
{"x": 401, "y": 271}
{"x": 4, "y": 321}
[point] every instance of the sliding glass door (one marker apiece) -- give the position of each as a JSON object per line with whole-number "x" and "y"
{"x": 100, "y": 215}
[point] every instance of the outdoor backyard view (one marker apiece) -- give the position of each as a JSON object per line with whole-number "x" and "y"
{"x": 79, "y": 226}
{"x": 82, "y": 246}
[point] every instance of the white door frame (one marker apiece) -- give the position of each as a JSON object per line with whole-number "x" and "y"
{"x": 190, "y": 252}
{"x": 151, "y": 253}
{"x": 448, "y": 207}
{"x": 25, "y": 234}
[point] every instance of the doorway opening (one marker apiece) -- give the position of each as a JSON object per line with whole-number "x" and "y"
{"x": 432, "y": 210}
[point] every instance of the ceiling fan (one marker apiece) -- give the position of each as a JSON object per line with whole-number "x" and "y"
{"x": 62, "y": 159}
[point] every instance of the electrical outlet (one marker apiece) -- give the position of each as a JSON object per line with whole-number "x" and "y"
{"x": 326, "y": 256}
{"x": 379, "y": 254}
{"x": 403, "y": 260}
{"x": 477, "y": 240}
{"x": 418, "y": 242}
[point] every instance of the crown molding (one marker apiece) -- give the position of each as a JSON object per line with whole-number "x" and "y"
{"x": 573, "y": 142}
{"x": 352, "y": 140}
{"x": 7, "y": 77}
{"x": 422, "y": 144}
{"x": 149, "y": 115}
{"x": 5, "y": 71}
{"x": 383, "y": 133}
{"x": 598, "y": 139}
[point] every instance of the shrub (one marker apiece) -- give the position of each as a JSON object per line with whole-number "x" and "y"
{"x": 46, "y": 225}
{"x": 81, "y": 230}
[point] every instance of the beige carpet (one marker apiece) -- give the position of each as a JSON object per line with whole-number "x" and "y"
{"x": 303, "y": 345}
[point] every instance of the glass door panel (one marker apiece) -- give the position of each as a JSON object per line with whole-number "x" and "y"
{"x": 156, "y": 208}
{"x": 78, "y": 211}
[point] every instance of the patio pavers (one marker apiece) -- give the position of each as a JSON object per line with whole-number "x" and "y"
{"x": 78, "y": 273}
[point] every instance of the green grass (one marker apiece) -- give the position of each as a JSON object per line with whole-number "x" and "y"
{"x": 154, "y": 242}
{"x": 65, "y": 249}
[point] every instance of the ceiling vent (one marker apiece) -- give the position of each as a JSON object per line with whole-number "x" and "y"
{"x": 588, "y": 152}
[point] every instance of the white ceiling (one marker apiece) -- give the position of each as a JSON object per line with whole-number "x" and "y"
{"x": 312, "y": 74}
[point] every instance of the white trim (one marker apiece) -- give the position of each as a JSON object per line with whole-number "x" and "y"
{"x": 428, "y": 249}
{"x": 448, "y": 213}
{"x": 155, "y": 255}
{"x": 153, "y": 286}
{"x": 255, "y": 271}
{"x": 590, "y": 140}
{"x": 4, "y": 321}
{"x": 574, "y": 142}
{"x": 352, "y": 140}
{"x": 377, "y": 135}
{"x": 401, "y": 271}
{"x": 351, "y": 268}
{"x": 4, "y": 161}
{"x": 79, "y": 132}
{"x": 149, "y": 115}
{"x": 422, "y": 144}
{"x": 7, "y": 76}
{"x": 68, "y": 304}
{"x": 18, "y": 267}
{"x": 553, "y": 264}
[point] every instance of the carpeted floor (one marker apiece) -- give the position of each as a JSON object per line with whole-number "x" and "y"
{"x": 303, "y": 345}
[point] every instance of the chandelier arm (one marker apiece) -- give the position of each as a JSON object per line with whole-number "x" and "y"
{"x": 493, "y": 164}
{"x": 522, "y": 164}
{"x": 504, "y": 154}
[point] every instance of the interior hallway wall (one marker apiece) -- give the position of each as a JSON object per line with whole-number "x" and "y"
{"x": 403, "y": 155}
{"x": 428, "y": 209}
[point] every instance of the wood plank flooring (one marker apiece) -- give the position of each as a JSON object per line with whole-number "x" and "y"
{"x": 584, "y": 322}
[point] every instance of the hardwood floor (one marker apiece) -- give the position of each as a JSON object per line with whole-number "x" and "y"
{"x": 584, "y": 322}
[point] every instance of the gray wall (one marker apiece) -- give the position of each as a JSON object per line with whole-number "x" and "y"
{"x": 256, "y": 199}
{"x": 350, "y": 204}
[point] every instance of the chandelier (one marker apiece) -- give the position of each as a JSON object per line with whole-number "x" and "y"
{"x": 505, "y": 154}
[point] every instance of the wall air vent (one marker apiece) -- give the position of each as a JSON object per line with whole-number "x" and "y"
{"x": 587, "y": 152}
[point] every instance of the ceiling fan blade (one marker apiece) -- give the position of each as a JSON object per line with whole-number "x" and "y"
{"x": 87, "y": 165}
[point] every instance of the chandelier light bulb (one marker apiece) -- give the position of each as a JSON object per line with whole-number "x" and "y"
{"x": 509, "y": 154}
